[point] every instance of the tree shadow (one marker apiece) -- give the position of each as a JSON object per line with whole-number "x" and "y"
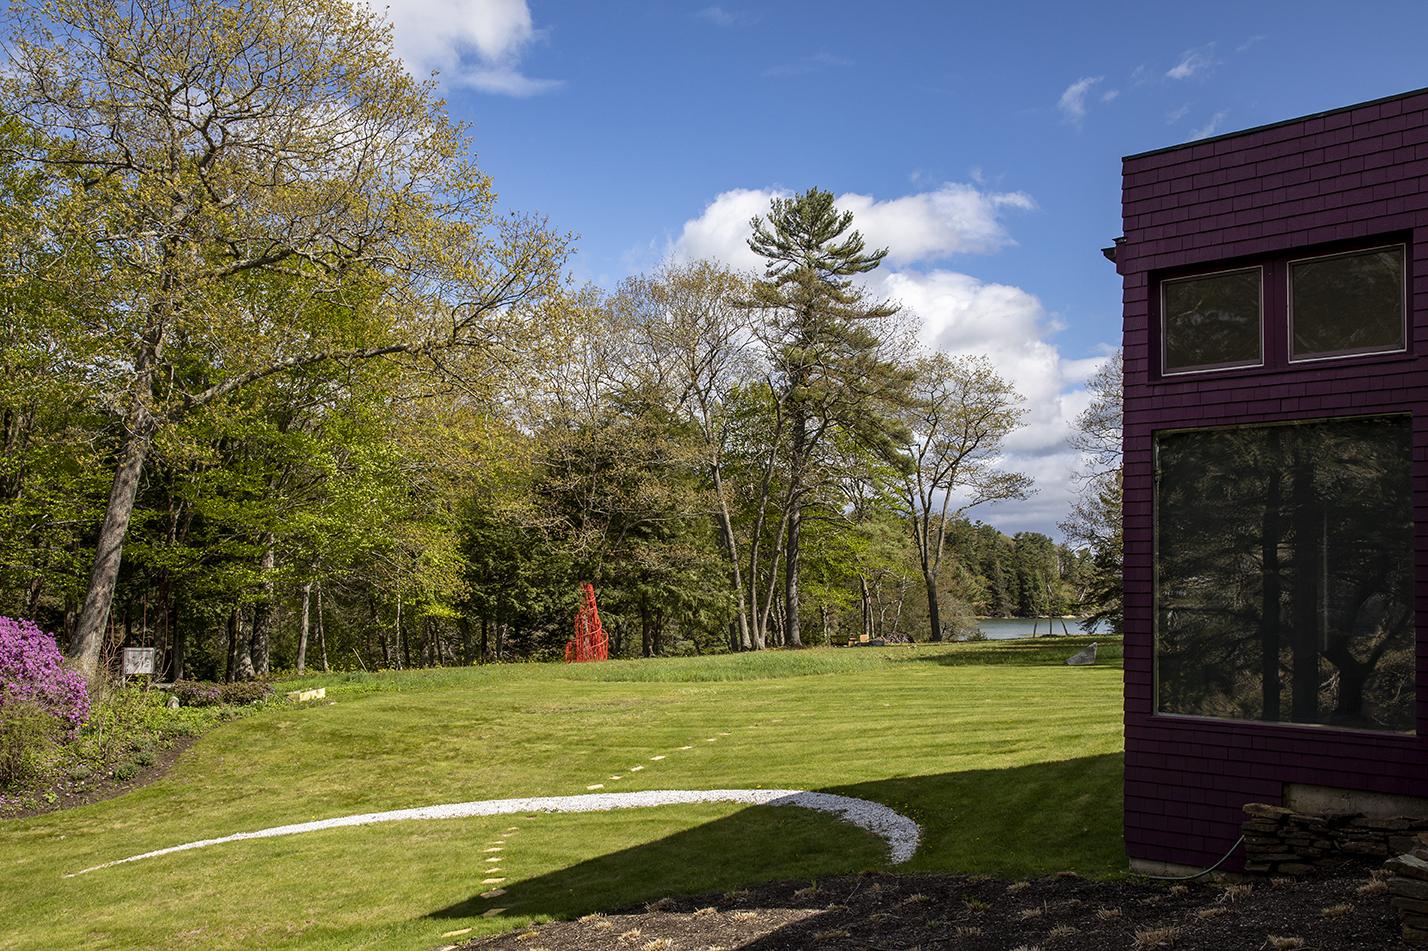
{"x": 1035, "y": 819}
{"x": 1026, "y": 652}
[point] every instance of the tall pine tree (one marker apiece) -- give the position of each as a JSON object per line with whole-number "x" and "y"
{"x": 831, "y": 348}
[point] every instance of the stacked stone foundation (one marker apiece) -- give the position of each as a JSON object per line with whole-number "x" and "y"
{"x": 1281, "y": 841}
{"x": 1409, "y": 886}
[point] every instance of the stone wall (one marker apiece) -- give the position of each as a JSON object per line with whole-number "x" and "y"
{"x": 1282, "y": 841}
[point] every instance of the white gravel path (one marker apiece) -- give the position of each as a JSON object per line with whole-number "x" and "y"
{"x": 900, "y": 832}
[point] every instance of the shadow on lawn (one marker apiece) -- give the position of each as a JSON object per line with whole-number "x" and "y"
{"x": 1024, "y": 652}
{"x": 1030, "y": 820}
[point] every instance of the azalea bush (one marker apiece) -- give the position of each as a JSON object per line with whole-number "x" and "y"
{"x": 41, "y": 703}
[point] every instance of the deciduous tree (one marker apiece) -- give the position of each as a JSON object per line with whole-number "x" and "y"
{"x": 238, "y": 188}
{"x": 1095, "y": 517}
{"x": 960, "y": 412}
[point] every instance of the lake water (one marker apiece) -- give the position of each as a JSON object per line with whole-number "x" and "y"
{"x": 1006, "y": 628}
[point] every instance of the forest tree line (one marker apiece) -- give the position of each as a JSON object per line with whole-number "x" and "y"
{"x": 281, "y": 389}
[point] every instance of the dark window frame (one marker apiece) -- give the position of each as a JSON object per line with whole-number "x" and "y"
{"x": 1318, "y": 356}
{"x": 1211, "y": 367}
{"x": 1275, "y": 315}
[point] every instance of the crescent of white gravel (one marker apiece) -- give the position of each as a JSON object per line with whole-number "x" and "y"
{"x": 901, "y": 833}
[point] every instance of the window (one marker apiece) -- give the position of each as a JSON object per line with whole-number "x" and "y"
{"x": 1284, "y": 573}
{"x": 1212, "y": 321}
{"x": 1348, "y": 303}
{"x": 1285, "y": 311}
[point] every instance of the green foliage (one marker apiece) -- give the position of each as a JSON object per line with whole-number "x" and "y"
{"x": 241, "y": 694}
{"x": 29, "y": 733}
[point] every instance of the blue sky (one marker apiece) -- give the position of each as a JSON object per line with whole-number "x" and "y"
{"x": 979, "y": 142}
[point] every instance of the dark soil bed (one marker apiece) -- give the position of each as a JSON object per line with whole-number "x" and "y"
{"x": 1337, "y": 910}
{"x": 69, "y": 793}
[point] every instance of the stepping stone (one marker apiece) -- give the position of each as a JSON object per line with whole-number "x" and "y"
{"x": 492, "y": 912}
{"x": 491, "y": 881}
{"x": 493, "y": 893}
{"x": 494, "y": 848}
{"x": 656, "y": 757}
{"x": 1087, "y": 656}
{"x": 636, "y": 769}
{"x": 453, "y": 934}
{"x": 686, "y": 747}
{"x": 596, "y": 786}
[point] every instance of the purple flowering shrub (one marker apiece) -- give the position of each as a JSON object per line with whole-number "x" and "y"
{"x": 194, "y": 693}
{"x": 32, "y": 674}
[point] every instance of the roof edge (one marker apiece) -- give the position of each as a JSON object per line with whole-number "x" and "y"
{"x": 1276, "y": 125}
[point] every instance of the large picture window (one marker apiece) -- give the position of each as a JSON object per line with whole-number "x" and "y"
{"x": 1284, "y": 573}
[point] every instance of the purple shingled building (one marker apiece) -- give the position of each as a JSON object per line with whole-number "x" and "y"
{"x": 1276, "y": 476}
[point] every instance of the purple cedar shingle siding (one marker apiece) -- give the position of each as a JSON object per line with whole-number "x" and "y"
{"x": 1355, "y": 174}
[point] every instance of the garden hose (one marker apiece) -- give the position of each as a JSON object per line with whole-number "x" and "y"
{"x": 1186, "y": 878}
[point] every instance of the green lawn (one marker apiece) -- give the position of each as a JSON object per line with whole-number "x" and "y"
{"x": 1009, "y": 760}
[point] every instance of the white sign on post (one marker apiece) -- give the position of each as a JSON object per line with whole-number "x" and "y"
{"x": 138, "y": 660}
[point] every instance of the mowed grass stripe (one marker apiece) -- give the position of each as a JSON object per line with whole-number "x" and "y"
{"x": 1012, "y": 766}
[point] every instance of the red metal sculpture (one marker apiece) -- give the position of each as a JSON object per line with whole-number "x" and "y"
{"x": 591, "y": 642}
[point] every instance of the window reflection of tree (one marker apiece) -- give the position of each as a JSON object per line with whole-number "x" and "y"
{"x": 1213, "y": 320}
{"x": 1343, "y": 304}
{"x": 1284, "y": 573}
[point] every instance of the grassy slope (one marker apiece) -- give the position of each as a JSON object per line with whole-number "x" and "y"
{"x": 1009, "y": 760}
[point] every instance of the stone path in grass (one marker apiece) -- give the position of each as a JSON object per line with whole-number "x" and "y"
{"x": 901, "y": 833}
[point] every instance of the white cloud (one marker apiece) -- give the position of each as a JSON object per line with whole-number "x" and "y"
{"x": 961, "y": 314}
{"x": 722, "y": 232}
{"x": 1073, "y": 100}
{"x": 1109, "y": 95}
{"x": 473, "y": 43}
{"x": 1210, "y": 128}
{"x": 1175, "y": 115}
{"x": 952, "y": 219}
{"x": 725, "y": 18}
{"x": 809, "y": 64}
{"x": 1193, "y": 62}
{"x": 958, "y": 313}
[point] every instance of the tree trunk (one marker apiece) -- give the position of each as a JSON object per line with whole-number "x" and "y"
{"x": 244, "y": 670}
{"x": 790, "y": 567}
{"x": 485, "y": 638}
{"x": 1304, "y": 599}
{"x": 1269, "y": 603}
{"x": 231, "y": 667}
{"x": 731, "y": 547}
{"x": 88, "y": 641}
{"x": 263, "y": 610}
{"x": 463, "y": 623}
{"x": 500, "y": 625}
{"x": 645, "y": 641}
{"x": 934, "y": 614}
{"x": 321, "y": 633}
{"x": 173, "y": 632}
{"x": 302, "y": 628}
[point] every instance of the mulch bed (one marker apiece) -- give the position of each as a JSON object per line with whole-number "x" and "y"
{"x": 923, "y": 912}
{"x": 69, "y": 793}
